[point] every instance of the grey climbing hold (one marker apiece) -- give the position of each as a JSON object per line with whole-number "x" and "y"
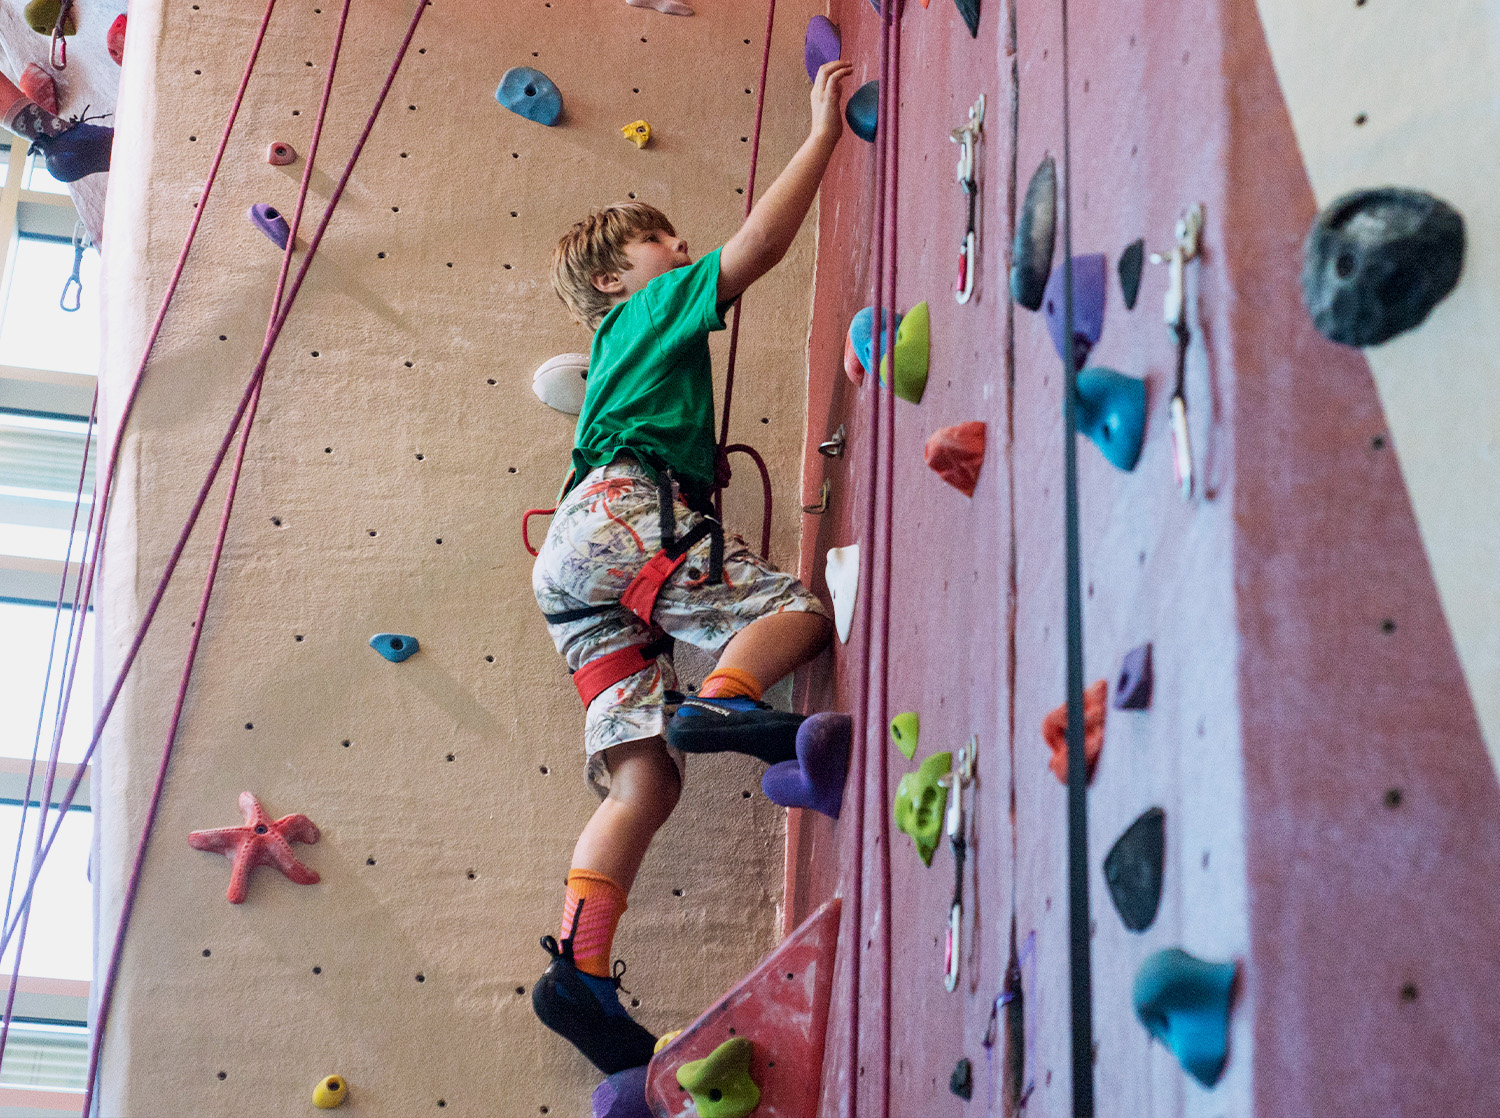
{"x": 269, "y": 220}
{"x": 961, "y": 1082}
{"x": 1036, "y": 233}
{"x": 1133, "y": 687}
{"x": 969, "y": 9}
{"x": 1133, "y": 869}
{"x": 1184, "y": 1002}
{"x": 863, "y": 111}
{"x": 528, "y": 92}
{"x": 395, "y": 647}
{"x": 1129, "y": 267}
{"x": 1377, "y": 261}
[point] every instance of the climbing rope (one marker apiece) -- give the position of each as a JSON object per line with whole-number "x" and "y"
{"x": 1080, "y": 965}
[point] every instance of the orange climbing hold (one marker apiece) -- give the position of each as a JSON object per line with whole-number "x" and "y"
{"x": 956, "y": 453}
{"x": 782, "y": 1008}
{"x": 40, "y": 86}
{"x": 1055, "y": 730}
{"x": 262, "y": 841}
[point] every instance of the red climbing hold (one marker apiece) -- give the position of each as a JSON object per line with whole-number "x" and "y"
{"x": 40, "y": 86}
{"x": 115, "y": 40}
{"x": 280, "y": 154}
{"x": 852, "y": 368}
{"x": 260, "y": 842}
{"x": 956, "y": 453}
{"x": 782, "y": 1008}
{"x": 1055, "y": 730}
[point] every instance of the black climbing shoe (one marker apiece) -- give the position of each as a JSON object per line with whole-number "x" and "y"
{"x": 737, "y": 725}
{"x": 612, "y": 1042}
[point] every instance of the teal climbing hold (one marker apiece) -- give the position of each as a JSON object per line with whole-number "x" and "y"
{"x": 528, "y": 92}
{"x": 859, "y": 335}
{"x": 720, "y": 1083}
{"x": 921, "y": 802}
{"x": 1112, "y": 413}
{"x": 905, "y": 728}
{"x": 863, "y": 112}
{"x": 395, "y": 647}
{"x": 1184, "y": 1002}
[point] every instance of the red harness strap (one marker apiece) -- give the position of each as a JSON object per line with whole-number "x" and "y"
{"x": 599, "y": 675}
{"x": 640, "y": 596}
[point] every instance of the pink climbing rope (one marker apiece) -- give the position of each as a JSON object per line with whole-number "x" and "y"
{"x": 96, "y": 530}
{"x": 106, "y": 996}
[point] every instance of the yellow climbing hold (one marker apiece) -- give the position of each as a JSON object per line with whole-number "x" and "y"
{"x": 41, "y": 17}
{"x": 638, "y": 132}
{"x": 913, "y": 345}
{"x": 330, "y": 1092}
{"x": 665, "y": 1039}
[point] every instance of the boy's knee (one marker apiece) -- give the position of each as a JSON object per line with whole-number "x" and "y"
{"x": 644, "y": 775}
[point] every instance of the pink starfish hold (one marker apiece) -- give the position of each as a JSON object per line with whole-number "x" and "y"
{"x": 260, "y": 842}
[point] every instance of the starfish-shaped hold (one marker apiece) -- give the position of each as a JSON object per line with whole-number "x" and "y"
{"x": 260, "y": 842}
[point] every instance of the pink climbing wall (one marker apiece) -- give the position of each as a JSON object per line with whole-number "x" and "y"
{"x": 1331, "y": 815}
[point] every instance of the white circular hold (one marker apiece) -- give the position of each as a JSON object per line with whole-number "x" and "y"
{"x": 560, "y": 382}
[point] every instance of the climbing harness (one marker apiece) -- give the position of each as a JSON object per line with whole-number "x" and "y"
{"x": 603, "y": 672}
{"x": 966, "y": 137}
{"x": 74, "y": 282}
{"x": 955, "y": 825}
{"x": 1174, "y": 311}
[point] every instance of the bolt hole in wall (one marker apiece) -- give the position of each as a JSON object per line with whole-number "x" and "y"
{"x": 49, "y": 357}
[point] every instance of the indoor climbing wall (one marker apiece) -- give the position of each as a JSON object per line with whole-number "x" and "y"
{"x": 397, "y": 443}
{"x": 1312, "y": 741}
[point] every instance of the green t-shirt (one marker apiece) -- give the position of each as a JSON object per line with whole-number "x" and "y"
{"x": 650, "y": 385}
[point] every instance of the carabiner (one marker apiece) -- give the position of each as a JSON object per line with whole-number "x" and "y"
{"x": 965, "y": 138}
{"x": 57, "y": 52}
{"x": 75, "y": 281}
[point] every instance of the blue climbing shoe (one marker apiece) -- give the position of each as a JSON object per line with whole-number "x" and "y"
{"x": 738, "y": 725}
{"x": 82, "y": 150}
{"x": 609, "y": 1038}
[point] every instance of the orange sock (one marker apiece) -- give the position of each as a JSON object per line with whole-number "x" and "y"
{"x": 602, "y": 903}
{"x": 730, "y": 683}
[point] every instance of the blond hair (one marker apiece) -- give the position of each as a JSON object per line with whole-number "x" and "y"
{"x": 594, "y": 246}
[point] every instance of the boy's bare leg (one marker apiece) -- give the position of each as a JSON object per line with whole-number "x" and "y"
{"x": 772, "y": 646}
{"x": 643, "y": 790}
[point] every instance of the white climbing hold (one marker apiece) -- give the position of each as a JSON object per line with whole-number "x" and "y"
{"x": 560, "y": 382}
{"x": 843, "y": 584}
{"x": 667, "y": 7}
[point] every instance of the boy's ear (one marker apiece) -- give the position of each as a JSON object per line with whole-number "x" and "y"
{"x": 608, "y": 282}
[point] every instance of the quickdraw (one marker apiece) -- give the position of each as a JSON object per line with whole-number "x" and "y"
{"x": 966, "y": 137}
{"x": 954, "y": 824}
{"x": 1174, "y": 311}
{"x": 57, "y": 52}
{"x": 74, "y": 284}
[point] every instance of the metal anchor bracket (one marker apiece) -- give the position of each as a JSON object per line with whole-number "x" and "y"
{"x": 834, "y": 446}
{"x": 822, "y": 506}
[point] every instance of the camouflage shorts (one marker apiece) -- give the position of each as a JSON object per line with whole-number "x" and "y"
{"x": 604, "y": 531}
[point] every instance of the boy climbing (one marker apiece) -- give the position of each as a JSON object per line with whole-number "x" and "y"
{"x": 635, "y": 559}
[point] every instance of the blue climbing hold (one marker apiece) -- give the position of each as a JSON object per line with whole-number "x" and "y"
{"x": 1184, "y": 1002}
{"x": 528, "y": 92}
{"x": 859, "y": 334}
{"x": 1112, "y": 413}
{"x": 269, "y": 220}
{"x": 863, "y": 111}
{"x": 395, "y": 647}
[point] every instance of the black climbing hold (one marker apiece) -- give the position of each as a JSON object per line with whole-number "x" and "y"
{"x": 1133, "y": 688}
{"x": 1377, "y": 261}
{"x": 969, "y": 9}
{"x": 1036, "y": 232}
{"x": 1129, "y": 267}
{"x": 1133, "y": 869}
{"x": 961, "y": 1082}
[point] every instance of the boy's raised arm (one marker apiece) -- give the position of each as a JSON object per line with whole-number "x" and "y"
{"x": 769, "y": 230}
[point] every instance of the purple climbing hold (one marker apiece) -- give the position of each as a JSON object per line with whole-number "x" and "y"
{"x": 821, "y": 44}
{"x": 1088, "y": 306}
{"x": 816, "y": 778}
{"x": 622, "y": 1095}
{"x": 1133, "y": 688}
{"x": 269, "y": 220}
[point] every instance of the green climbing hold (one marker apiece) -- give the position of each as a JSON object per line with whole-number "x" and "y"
{"x": 41, "y": 17}
{"x": 904, "y": 730}
{"x": 720, "y": 1083}
{"x": 913, "y": 353}
{"x": 921, "y": 802}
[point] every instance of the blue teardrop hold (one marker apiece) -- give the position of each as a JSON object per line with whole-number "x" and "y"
{"x": 863, "y": 111}
{"x": 859, "y": 334}
{"x": 528, "y": 92}
{"x": 1184, "y": 1002}
{"x": 1112, "y": 413}
{"x": 268, "y": 219}
{"x": 395, "y": 647}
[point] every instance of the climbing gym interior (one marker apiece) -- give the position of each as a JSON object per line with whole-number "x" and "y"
{"x": 1127, "y": 398}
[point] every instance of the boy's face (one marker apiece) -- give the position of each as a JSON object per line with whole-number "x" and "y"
{"x": 651, "y": 254}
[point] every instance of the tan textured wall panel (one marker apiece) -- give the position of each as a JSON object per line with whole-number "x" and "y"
{"x": 448, "y": 788}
